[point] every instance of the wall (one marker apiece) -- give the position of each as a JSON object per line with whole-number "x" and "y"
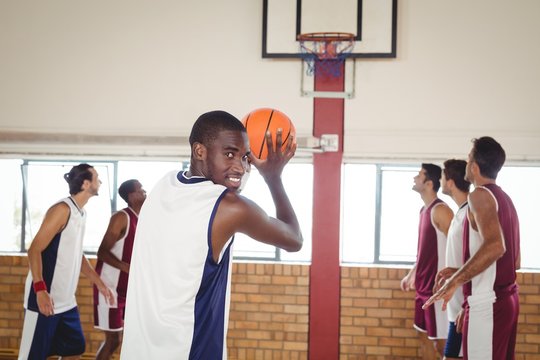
{"x": 149, "y": 68}
{"x": 269, "y": 312}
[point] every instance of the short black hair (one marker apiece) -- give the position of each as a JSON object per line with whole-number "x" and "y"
{"x": 208, "y": 126}
{"x": 433, "y": 173}
{"x": 76, "y": 176}
{"x": 455, "y": 170}
{"x": 126, "y": 188}
{"x": 489, "y": 155}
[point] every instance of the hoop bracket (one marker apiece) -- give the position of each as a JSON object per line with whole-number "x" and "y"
{"x": 347, "y": 94}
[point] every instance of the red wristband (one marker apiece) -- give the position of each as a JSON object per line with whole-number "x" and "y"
{"x": 40, "y": 286}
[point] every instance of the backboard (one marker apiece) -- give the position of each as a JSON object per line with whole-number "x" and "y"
{"x": 372, "y": 21}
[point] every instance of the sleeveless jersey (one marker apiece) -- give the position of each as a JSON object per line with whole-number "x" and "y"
{"x": 61, "y": 263}
{"x": 431, "y": 250}
{"x": 113, "y": 277}
{"x": 178, "y": 296}
{"x": 454, "y": 257}
{"x": 499, "y": 277}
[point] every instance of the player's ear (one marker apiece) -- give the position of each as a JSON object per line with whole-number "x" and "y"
{"x": 199, "y": 151}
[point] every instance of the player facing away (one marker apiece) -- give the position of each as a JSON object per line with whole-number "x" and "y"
{"x": 114, "y": 257}
{"x": 454, "y": 185}
{"x": 435, "y": 218}
{"x": 491, "y": 257}
{"x": 52, "y": 324}
{"x": 179, "y": 287}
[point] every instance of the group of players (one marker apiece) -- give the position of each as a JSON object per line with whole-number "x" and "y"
{"x": 179, "y": 264}
{"x": 466, "y": 263}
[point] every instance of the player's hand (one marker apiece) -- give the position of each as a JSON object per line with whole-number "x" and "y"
{"x": 108, "y": 294}
{"x": 459, "y": 321}
{"x": 407, "y": 283}
{"x": 276, "y": 159}
{"x": 45, "y": 303}
{"x": 124, "y": 267}
{"x": 445, "y": 293}
{"x": 442, "y": 276}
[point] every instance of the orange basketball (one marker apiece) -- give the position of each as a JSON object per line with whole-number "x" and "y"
{"x": 259, "y": 121}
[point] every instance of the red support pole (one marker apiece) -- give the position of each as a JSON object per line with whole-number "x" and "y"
{"x": 324, "y": 292}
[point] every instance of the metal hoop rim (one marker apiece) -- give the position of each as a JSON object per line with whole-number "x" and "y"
{"x": 326, "y": 36}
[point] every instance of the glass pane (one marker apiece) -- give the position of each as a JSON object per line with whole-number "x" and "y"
{"x": 10, "y": 211}
{"x": 400, "y": 207}
{"x": 298, "y": 181}
{"x": 147, "y": 172}
{"x": 46, "y": 185}
{"x": 516, "y": 182}
{"x": 358, "y": 213}
{"x": 301, "y": 196}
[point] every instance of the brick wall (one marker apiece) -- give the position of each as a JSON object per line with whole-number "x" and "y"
{"x": 377, "y": 317}
{"x": 270, "y": 310}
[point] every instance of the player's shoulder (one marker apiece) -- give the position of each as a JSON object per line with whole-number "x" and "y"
{"x": 441, "y": 205}
{"x": 236, "y": 204}
{"x": 120, "y": 215}
{"x": 60, "y": 207}
{"x": 481, "y": 198}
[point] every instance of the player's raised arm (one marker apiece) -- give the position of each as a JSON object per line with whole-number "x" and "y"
{"x": 238, "y": 214}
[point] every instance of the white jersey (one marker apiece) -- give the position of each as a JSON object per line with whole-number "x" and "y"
{"x": 61, "y": 263}
{"x": 178, "y": 296}
{"x": 454, "y": 257}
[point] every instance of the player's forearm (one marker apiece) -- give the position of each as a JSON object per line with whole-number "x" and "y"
{"x": 109, "y": 258}
{"x": 284, "y": 210}
{"x": 89, "y": 272}
{"x": 486, "y": 255}
{"x": 35, "y": 264}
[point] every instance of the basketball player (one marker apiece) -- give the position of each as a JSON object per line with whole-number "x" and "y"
{"x": 492, "y": 256}
{"x": 179, "y": 289}
{"x": 435, "y": 218}
{"x": 51, "y": 322}
{"x": 455, "y": 186}
{"x": 114, "y": 257}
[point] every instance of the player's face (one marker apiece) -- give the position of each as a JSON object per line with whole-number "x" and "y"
{"x": 444, "y": 185}
{"x": 94, "y": 185}
{"x": 227, "y": 160}
{"x": 468, "y": 169}
{"x": 419, "y": 181}
{"x": 138, "y": 195}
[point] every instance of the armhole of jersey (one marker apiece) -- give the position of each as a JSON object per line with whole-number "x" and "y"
{"x": 492, "y": 195}
{"x": 210, "y": 224}
{"x": 128, "y": 220}
{"x": 431, "y": 214}
{"x": 67, "y": 220}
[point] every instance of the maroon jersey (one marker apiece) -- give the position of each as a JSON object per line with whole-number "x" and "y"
{"x": 431, "y": 250}
{"x": 113, "y": 277}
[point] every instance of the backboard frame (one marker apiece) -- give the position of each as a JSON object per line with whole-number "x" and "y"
{"x": 270, "y": 53}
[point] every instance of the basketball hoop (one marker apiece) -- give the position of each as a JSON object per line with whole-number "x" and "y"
{"x": 327, "y": 50}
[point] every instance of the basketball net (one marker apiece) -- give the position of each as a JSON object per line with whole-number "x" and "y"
{"x": 325, "y": 52}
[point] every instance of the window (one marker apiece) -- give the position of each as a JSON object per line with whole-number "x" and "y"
{"x": 380, "y": 212}
{"x": 519, "y": 183}
{"x": 45, "y": 185}
{"x": 298, "y": 182}
{"x": 30, "y": 187}
{"x": 358, "y": 213}
{"x": 11, "y": 208}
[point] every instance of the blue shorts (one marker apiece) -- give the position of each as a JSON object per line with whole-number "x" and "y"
{"x": 453, "y": 342}
{"x": 59, "y": 334}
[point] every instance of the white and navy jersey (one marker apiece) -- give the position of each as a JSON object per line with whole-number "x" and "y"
{"x": 61, "y": 263}
{"x": 178, "y": 296}
{"x": 115, "y": 279}
{"x": 454, "y": 257}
